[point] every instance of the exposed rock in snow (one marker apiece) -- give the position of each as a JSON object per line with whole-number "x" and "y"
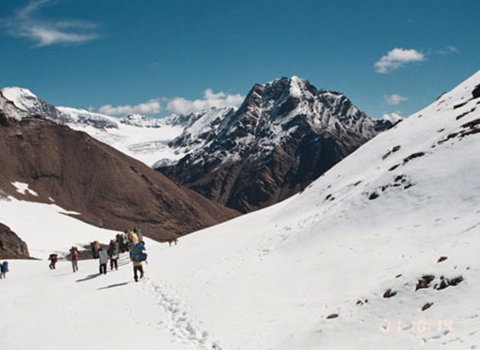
{"x": 11, "y": 246}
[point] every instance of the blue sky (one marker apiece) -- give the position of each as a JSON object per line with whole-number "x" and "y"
{"x": 164, "y": 56}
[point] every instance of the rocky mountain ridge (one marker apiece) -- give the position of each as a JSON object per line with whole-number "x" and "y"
{"x": 285, "y": 135}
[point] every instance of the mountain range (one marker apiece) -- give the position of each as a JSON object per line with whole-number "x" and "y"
{"x": 284, "y": 135}
{"x": 383, "y": 247}
{"x": 96, "y": 182}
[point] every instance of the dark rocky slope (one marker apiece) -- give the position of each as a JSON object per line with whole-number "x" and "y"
{"x": 11, "y": 246}
{"x": 284, "y": 136}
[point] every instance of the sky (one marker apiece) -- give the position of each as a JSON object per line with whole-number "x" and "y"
{"x": 158, "y": 57}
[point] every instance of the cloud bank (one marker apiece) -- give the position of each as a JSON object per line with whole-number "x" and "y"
{"x": 150, "y": 107}
{"x": 180, "y": 105}
{"x": 397, "y": 58}
{"x": 45, "y": 32}
{"x": 177, "y": 105}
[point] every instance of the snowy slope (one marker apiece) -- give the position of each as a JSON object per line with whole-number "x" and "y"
{"x": 142, "y": 138}
{"x": 146, "y": 144}
{"x": 271, "y": 279}
{"x": 379, "y": 220}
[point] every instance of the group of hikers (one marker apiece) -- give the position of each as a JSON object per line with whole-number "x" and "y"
{"x": 129, "y": 241}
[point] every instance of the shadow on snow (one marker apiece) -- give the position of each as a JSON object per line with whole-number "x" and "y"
{"x": 89, "y": 277}
{"x": 114, "y": 285}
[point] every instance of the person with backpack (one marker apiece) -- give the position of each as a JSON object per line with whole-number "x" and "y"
{"x": 139, "y": 234}
{"x": 95, "y": 247}
{"x": 113, "y": 253}
{"x": 53, "y": 261}
{"x": 103, "y": 257}
{"x": 138, "y": 255}
{"x": 4, "y": 269}
{"x": 74, "y": 258}
{"x": 132, "y": 237}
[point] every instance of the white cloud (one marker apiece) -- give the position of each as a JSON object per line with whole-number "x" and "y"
{"x": 180, "y": 105}
{"x": 45, "y": 32}
{"x": 393, "y": 117}
{"x": 150, "y": 107}
{"x": 177, "y": 105}
{"x": 394, "y": 99}
{"x": 397, "y": 58}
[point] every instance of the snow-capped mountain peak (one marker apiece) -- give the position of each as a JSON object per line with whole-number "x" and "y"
{"x": 285, "y": 118}
{"x": 27, "y": 101}
{"x": 21, "y": 97}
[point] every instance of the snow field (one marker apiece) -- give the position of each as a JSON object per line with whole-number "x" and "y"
{"x": 335, "y": 267}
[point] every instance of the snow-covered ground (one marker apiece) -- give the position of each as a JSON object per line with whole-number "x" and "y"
{"x": 311, "y": 272}
{"x": 147, "y": 145}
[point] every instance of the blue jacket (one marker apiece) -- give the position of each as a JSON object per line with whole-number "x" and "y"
{"x": 138, "y": 253}
{"x": 4, "y": 267}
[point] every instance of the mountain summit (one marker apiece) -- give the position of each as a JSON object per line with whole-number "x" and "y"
{"x": 284, "y": 135}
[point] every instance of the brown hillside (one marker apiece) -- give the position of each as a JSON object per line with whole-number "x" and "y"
{"x": 108, "y": 188}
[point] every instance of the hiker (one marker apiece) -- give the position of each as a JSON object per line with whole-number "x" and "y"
{"x": 113, "y": 253}
{"x": 4, "y": 269}
{"x": 132, "y": 237}
{"x": 120, "y": 240}
{"x": 139, "y": 234}
{"x": 138, "y": 255}
{"x": 102, "y": 255}
{"x": 53, "y": 260}
{"x": 95, "y": 247}
{"x": 125, "y": 242}
{"x": 74, "y": 258}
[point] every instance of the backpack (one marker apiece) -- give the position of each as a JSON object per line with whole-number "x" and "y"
{"x": 138, "y": 253}
{"x": 5, "y": 267}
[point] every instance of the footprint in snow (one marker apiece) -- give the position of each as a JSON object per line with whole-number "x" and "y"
{"x": 182, "y": 326}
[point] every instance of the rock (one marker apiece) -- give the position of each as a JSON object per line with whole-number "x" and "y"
{"x": 394, "y": 167}
{"x": 393, "y": 150}
{"x": 329, "y": 317}
{"x": 445, "y": 282}
{"x": 442, "y": 258}
{"x": 11, "y": 246}
{"x": 476, "y": 92}
{"x": 460, "y": 105}
{"x": 389, "y": 293}
{"x": 413, "y": 156}
{"x": 424, "y": 282}
{"x": 426, "y": 306}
